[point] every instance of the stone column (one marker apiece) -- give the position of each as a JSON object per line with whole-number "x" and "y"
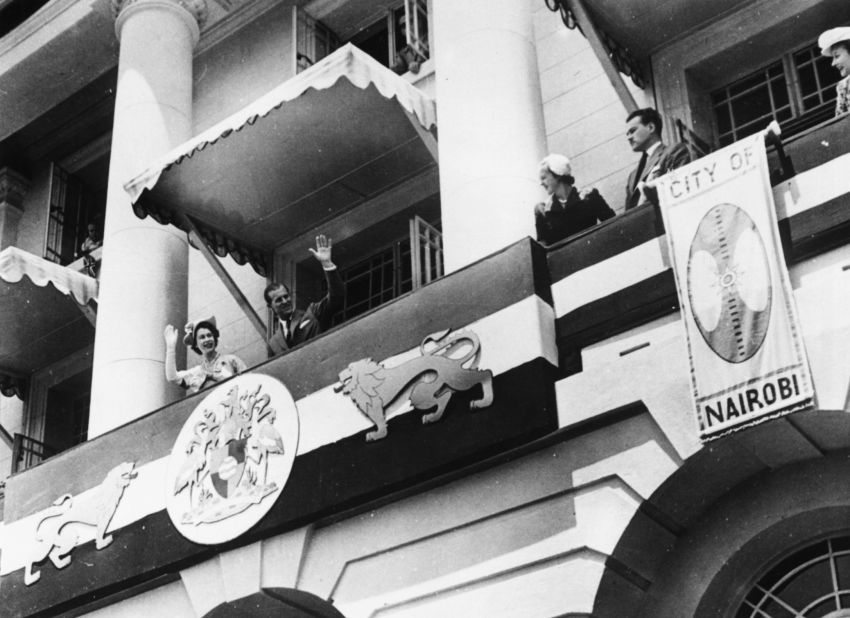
{"x": 13, "y": 188}
{"x": 490, "y": 124}
{"x": 143, "y": 279}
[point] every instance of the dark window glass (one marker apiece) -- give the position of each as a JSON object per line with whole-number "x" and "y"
{"x": 812, "y": 582}
{"x": 767, "y": 94}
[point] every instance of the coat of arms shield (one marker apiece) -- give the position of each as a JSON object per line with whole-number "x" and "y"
{"x": 232, "y": 459}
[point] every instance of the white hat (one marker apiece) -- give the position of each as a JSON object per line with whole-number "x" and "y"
{"x": 831, "y": 37}
{"x": 557, "y": 164}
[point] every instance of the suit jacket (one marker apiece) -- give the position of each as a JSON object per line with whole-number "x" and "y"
{"x": 304, "y": 325}
{"x": 555, "y": 221}
{"x": 663, "y": 159}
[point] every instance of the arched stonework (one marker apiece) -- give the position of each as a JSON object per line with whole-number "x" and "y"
{"x": 278, "y": 602}
{"x": 733, "y": 509}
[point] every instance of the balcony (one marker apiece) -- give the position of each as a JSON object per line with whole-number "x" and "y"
{"x": 336, "y": 469}
{"x": 536, "y": 314}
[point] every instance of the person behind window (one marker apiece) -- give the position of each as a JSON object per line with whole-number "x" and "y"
{"x": 294, "y": 326}
{"x": 565, "y": 212}
{"x": 643, "y": 132}
{"x": 836, "y": 43}
{"x": 411, "y": 56}
{"x": 91, "y": 242}
{"x": 202, "y": 337}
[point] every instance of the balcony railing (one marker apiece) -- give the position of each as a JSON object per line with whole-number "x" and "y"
{"x": 27, "y": 452}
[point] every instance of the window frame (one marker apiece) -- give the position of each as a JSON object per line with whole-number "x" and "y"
{"x": 800, "y": 118}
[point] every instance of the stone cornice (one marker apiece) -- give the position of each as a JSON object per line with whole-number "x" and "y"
{"x": 196, "y": 8}
{"x": 13, "y": 187}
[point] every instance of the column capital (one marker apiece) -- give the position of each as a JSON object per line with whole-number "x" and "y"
{"x": 13, "y": 187}
{"x": 196, "y": 8}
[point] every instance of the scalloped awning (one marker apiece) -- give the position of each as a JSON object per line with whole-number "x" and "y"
{"x": 40, "y": 312}
{"x": 323, "y": 142}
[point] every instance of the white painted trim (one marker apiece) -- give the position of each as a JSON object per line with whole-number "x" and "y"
{"x": 610, "y": 276}
{"x": 813, "y": 187}
{"x": 509, "y": 338}
{"x": 805, "y": 191}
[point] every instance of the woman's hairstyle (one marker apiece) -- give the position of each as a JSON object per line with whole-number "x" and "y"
{"x": 560, "y": 167}
{"x": 191, "y": 338}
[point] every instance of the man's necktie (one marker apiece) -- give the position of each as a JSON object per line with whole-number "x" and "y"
{"x": 639, "y": 172}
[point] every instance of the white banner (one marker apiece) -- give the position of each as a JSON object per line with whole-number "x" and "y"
{"x": 747, "y": 359}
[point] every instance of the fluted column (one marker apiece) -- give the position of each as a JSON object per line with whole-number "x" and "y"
{"x": 143, "y": 279}
{"x": 490, "y": 122}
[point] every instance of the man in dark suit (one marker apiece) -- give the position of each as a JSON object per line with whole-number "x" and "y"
{"x": 295, "y": 326}
{"x": 643, "y": 130}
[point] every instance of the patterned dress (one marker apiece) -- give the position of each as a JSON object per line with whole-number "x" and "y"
{"x": 842, "y": 101}
{"x": 225, "y": 366}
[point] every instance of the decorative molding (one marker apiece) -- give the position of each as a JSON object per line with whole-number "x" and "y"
{"x": 196, "y": 8}
{"x": 620, "y": 57}
{"x": 57, "y": 533}
{"x": 13, "y": 386}
{"x": 13, "y": 187}
{"x": 435, "y": 375}
{"x": 235, "y": 19}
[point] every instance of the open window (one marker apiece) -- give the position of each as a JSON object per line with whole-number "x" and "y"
{"x": 75, "y": 220}
{"x": 381, "y": 262}
{"x": 399, "y": 39}
{"x": 313, "y": 40}
{"x": 404, "y": 265}
{"x": 57, "y": 410}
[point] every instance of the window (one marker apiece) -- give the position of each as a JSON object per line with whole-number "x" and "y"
{"x": 393, "y": 271}
{"x": 798, "y": 90}
{"x": 813, "y": 582}
{"x": 398, "y": 40}
{"x": 57, "y": 410}
{"x": 313, "y": 39}
{"x": 72, "y": 208}
{"x": 375, "y": 280}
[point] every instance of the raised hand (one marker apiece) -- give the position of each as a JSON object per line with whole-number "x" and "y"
{"x": 322, "y": 252}
{"x": 170, "y": 335}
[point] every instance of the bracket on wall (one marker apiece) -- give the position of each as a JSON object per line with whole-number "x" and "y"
{"x": 198, "y": 241}
{"x": 613, "y": 58}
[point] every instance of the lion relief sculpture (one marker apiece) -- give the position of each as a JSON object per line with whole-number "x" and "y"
{"x": 448, "y": 364}
{"x": 59, "y": 530}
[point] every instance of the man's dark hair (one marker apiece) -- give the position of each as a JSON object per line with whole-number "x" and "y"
{"x": 844, "y": 44}
{"x": 271, "y": 287}
{"x": 648, "y": 115}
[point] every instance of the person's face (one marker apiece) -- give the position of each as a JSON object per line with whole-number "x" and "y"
{"x": 841, "y": 59}
{"x": 281, "y": 303}
{"x": 92, "y": 231}
{"x": 205, "y": 340}
{"x": 548, "y": 180}
{"x": 641, "y": 136}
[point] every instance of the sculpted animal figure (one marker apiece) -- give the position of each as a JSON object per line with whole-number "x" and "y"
{"x": 58, "y": 531}
{"x": 432, "y": 379}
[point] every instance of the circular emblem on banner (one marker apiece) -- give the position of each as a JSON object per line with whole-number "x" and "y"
{"x": 232, "y": 459}
{"x": 729, "y": 288}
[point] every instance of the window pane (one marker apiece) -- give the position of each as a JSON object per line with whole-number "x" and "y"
{"x": 784, "y": 114}
{"x": 748, "y": 83}
{"x": 751, "y": 106}
{"x": 827, "y": 75}
{"x": 806, "y": 585}
{"x": 754, "y": 101}
{"x": 779, "y": 90}
{"x": 816, "y": 77}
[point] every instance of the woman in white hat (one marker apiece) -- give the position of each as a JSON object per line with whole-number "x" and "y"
{"x": 202, "y": 337}
{"x": 836, "y": 43}
{"x": 565, "y": 212}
